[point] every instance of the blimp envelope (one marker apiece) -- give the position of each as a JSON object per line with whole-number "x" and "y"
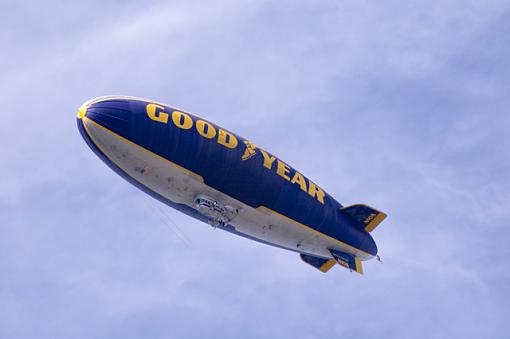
{"x": 227, "y": 181}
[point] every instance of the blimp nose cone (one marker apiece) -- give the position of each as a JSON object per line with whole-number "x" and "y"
{"x": 112, "y": 113}
{"x": 82, "y": 111}
{"x": 103, "y": 119}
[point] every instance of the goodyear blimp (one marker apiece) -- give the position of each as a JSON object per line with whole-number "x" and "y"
{"x": 218, "y": 177}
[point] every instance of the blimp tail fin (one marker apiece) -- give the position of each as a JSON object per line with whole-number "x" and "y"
{"x": 347, "y": 260}
{"x": 368, "y": 218}
{"x": 321, "y": 264}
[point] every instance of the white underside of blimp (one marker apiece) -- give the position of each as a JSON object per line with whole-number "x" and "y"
{"x": 181, "y": 186}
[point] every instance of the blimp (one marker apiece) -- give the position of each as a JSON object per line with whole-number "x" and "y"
{"x": 226, "y": 181}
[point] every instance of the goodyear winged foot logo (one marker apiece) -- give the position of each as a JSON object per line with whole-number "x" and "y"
{"x": 284, "y": 171}
{"x": 250, "y": 150}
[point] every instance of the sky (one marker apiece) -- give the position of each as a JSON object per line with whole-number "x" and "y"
{"x": 399, "y": 105}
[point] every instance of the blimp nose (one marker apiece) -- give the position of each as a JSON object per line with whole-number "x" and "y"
{"x": 112, "y": 113}
{"x": 82, "y": 111}
{"x": 105, "y": 124}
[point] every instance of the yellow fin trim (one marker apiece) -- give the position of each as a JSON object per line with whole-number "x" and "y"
{"x": 359, "y": 267}
{"x": 375, "y": 222}
{"x": 327, "y": 265}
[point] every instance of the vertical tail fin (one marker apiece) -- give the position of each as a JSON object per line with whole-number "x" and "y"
{"x": 366, "y": 217}
{"x": 347, "y": 260}
{"x": 321, "y": 264}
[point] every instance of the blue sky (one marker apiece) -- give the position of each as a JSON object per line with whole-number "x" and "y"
{"x": 400, "y": 106}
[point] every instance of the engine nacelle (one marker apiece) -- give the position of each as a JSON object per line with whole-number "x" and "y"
{"x": 216, "y": 212}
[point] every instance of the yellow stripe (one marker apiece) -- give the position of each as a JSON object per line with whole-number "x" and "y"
{"x": 375, "y": 222}
{"x": 85, "y": 119}
{"x": 315, "y": 231}
{"x": 327, "y": 265}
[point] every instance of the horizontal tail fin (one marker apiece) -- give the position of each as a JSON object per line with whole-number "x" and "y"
{"x": 368, "y": 218}
{"x": 321, "y": 264}
{"x": 347, "y": 260}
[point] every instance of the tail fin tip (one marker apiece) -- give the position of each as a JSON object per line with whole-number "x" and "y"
{"x": 321, "y": 264}
{"x": 368, "y": 218}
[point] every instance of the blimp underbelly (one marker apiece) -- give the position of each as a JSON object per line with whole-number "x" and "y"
{"x": 179, "y": 185}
